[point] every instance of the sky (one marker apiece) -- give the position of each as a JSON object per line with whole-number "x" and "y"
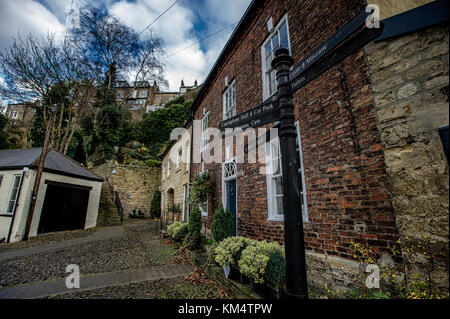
{"x": 185, "y": 23}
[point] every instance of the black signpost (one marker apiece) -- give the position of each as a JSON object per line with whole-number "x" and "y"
{"x": 351, "y": 37}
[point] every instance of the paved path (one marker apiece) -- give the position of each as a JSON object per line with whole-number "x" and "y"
{"x": 58, "y": 286}
{"x": 130, "y": 253}
{"x": 101, "y": 234}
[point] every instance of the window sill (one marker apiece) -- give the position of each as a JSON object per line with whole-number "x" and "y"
{"x": 6, "y": 215}
{"x": 272, "y": 219}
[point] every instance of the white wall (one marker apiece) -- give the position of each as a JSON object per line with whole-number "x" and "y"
{"x": 25, "y": 199}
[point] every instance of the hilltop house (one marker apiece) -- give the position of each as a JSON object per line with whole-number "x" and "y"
{"x": 372, "y": 162}
{"x": 143, "y": 97}
{"x": 68, "y": 196}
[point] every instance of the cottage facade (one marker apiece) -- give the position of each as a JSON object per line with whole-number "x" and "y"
{"x": 175, "y": 177}
{"x": 351, "y": 164}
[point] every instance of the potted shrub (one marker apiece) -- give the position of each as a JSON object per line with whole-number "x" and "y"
{"x": 228, "y": 253}
{"x": 264, "y": 264}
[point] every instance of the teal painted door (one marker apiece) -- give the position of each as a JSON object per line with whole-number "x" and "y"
{"x": 231, "y": 201}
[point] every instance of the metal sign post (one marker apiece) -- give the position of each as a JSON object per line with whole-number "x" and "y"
{"x": 296, "y": 285}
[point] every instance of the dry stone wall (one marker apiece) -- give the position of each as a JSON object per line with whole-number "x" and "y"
{"x": 135, "y": 185}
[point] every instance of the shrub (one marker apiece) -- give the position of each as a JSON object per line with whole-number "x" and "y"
{"x": 222, "y": 224}
{"x": 255, "y": 259}
{"x": 230, "y": 249}
{"x": 177, "y": 231}
{"x": 192, "y": 241}
{"x": 195, "y": 221}
{"x": 275, "y": 269}
{"x": 155, "y": 205}
{"x": 152, "y": 163}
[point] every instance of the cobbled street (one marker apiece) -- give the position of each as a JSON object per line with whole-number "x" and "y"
{"x": 128, "y": 261}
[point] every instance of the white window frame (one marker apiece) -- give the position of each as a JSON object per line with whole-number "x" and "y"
{"x": 119, "y": 94}
{"x": 273, "y": 214}
{"x": 143, "y": 94}
{"x": 268, "y": 68}
{"x": 229, "y": 101}
{"x": 14, "y": 114}
{"x": 134, "y": 94}
{"x": 271, "y": 201}
{"x": 179, "y": 156}
{"x": 13, "y": 194}
{"x": 204, "y": 132}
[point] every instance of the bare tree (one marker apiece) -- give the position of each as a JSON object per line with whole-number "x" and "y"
{"x": 115, "y": 51}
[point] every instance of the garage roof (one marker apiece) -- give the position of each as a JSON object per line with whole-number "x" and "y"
{"x": 54, "y": 162}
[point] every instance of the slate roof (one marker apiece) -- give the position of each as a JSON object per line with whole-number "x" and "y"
{"x": 54, "y": 162}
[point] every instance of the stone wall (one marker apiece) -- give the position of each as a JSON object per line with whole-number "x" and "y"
{"x": 134, "y": 184}
{"x": 410, "y": 82}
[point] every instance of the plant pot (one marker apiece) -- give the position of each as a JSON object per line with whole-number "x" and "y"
{"x": 267, "y": 291}
{"x": 235, "y": 274}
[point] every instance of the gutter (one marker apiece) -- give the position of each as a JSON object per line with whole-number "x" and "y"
{"x": 25, "y": 170}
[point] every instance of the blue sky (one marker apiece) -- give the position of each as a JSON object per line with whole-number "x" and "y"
{"x": 185, "y": 23}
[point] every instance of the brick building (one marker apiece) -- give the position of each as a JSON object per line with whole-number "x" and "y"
{"x": 20, "y": 114}
{"x": 358, "y": 126}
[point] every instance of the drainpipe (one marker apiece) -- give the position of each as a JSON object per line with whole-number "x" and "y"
{"x": 25, "y": 170}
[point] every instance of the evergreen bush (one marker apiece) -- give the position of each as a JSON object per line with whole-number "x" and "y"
{"x": 230, "y": 249}
{"x": 195, "y": 221}
{"x": 155, "y": 205}
{"x": 177, "y": 231}
{"x": 222, "y": 224}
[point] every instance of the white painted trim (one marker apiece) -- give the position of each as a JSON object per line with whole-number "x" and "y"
{"x": 263, "y": 58}
{"x": 302, "y": 169}
{"x": 224, "y": 190}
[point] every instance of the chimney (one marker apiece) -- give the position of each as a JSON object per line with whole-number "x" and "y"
{"x": 195, "y": 83}
{"x": 182, "y": 83}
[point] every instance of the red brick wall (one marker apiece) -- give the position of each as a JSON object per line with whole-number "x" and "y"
{"x": 343, "y": 160}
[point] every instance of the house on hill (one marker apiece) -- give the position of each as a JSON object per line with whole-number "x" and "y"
{"x": 68, "y": 196}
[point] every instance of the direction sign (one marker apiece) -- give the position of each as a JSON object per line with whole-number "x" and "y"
{"x": 265, "y": 113}
{"x": 353, "y": 44}
{"x": 338, "y": 37}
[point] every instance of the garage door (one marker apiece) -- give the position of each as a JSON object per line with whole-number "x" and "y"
{"x": 65, "y": 207}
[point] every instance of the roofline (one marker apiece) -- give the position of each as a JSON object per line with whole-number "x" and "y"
{"x": 172, "y": 142}
{"x": 54, "y": 171}
{"x": 206, "y": 83}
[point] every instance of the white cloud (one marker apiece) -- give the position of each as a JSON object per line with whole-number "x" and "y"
{"x": 25, "y": 16}
{"x": 175, "y": 27}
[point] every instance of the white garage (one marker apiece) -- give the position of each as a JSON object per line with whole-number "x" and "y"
{"x": 68, "y": 196}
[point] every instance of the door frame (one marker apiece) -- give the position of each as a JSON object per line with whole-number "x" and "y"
{"x": 225, "y": 189}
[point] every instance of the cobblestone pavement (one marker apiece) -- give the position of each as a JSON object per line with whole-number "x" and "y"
{"x": 128, "y": 261}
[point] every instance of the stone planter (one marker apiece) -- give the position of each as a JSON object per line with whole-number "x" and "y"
{"x": 267, "y": 291}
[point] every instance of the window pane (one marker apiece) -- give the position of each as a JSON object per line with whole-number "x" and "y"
{"x": 275, "y": 43}
{"x": 283, "y": 36}
{"x": 278, "y": 185}
{"x": 16, "y": 181}
{"x": 279, "y": 203}
{"x": 268, "y": 49}
{"x": 10, "y": 207}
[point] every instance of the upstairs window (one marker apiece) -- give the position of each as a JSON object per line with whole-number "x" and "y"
{"x": 229, "y": 101}
{"x": 180, "y": 157}
{"x": 120, "y": 95}
{"x": 204, "y": 137}
{"x": 279, "y": 38}
{"x": 134, "y": 94}
{"x": 143, "y": 94}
